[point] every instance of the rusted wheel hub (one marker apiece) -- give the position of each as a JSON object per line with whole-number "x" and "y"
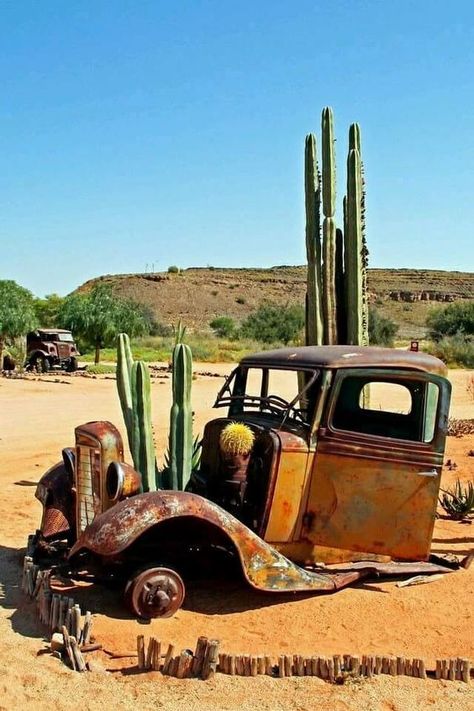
{"x": 155, "y": 592}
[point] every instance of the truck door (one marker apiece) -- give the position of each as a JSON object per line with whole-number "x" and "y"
{"x": 376, "y": 474}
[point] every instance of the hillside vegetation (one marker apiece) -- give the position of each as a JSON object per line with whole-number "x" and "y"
{"x": 198, "y": 295}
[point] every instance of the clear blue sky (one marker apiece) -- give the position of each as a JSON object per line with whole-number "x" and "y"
{"x": 137, "y": 132}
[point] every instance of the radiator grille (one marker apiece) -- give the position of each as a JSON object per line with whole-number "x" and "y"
{"x": 88, "y": 486}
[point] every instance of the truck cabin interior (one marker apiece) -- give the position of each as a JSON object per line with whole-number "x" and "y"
{"x": 268, "y": 400}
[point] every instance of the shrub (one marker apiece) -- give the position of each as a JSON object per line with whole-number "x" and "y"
{"x": 382, "y": 330}
{"x": 455, "y": 319}
{"x": 453, "y": 350}
{"x": 271, "y": 323}
{"x": 101, "y": 369}
{"x": 173, "y": 269}
{"x": 223, "y": 327}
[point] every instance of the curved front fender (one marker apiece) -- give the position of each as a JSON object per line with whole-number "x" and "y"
{"x": 264, "y": 567}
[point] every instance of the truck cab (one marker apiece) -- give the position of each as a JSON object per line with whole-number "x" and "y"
{"x": 349, "y": 445}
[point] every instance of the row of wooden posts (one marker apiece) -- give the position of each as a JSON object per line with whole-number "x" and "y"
{"x": 68, "y": 632}
{"x": 60, "y": 614}
{"x": 206, "y": 661}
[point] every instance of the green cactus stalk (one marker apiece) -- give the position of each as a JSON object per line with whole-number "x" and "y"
{"x": 143, "y": 447}
{"x": 124, "y": 367}
{"x": 329, "y": 228}
{"x": 339, "y": 280}
{"x": 329, "y": 281}
{"x": 314, "y": 315}
{"x": 353, "y": 251}
{"x": 181, "y": 419}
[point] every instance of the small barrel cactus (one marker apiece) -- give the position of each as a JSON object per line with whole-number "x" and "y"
{"x": 236, "y": 438}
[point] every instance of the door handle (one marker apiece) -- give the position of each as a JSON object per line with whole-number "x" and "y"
{"x": 432, "y": 473}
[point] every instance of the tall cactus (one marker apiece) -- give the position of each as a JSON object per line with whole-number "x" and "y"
{"x": 353, "y": 251}
{"x": 124, "y": 368}
{"x": 314, "y": 316}
{"x": 329, "y": 227}
{"x": 181, "y": 419}
{"x": 143, "y": 447}
{"x": 339, "y": 268}
{"x": 133, "y": 385}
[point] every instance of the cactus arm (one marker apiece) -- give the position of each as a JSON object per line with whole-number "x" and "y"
{"x": 314, "y": 317}
{"x": 143, "y": 448}
{"x": 181, "y": 422}
{"x": 329, "y": 163}
{"x": 124, "y": 367}
{"x": 340, "y": 288}
{"x": 353, "y": 251}
{"x": 329, "y": 283}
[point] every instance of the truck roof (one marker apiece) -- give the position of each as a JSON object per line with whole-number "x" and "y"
{"x": 346, "y": 357}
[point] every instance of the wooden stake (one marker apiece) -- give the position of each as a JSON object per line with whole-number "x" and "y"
{"x": 330, "y": 668}
{"x": 268, "y": 665}
{"x": 298, "y": 661}
{"x": 466, "y": 670}
{"x": 315, "y": 666}
{"x": 184, "y": 661}
{"x": 199, "y": 654}
{"x": 323, "y": 667}
{"x": 231, "y": 663}
{"x": 76, "y": 621}
{"x": 54, "y": 613}
{"x": 156, "y": 655}
{"x": 68, "y": 648}
{"x": 168, "y": 658}
{"x": 385, "y": 665}
{"x": 337, "y": 664}
{"x": 409, "y": 667}
{"x": 378, "y": 665}
{"x": 253, "y": 666}
{"x": 281, "y": 666}
{"x": 210, "y": 661}
{"x": 63, "y": 601}
{"x": 421, "y": 669}
{"x": 78, "y": 658}
{"x": 141, "y": 651}
{"x": 260, "y": 664}
{"x": 288, "y": 665}
{"x": 86, "y": 632}
{"x": 355, "y": 666}
{"x": 452, "y": 670}
{"x": 401, "y": 666}
{"x": 149, "y": 653}
{"x": 393, "y": 666}
{"x": 439, "y": 669}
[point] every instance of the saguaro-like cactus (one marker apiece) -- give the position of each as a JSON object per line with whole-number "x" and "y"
{"x": 337, "y": 274}
{"x": 181, "y": 419}
{"x": 124, "y": 368}
{"x": 314, "y": 315}
{"x": 353, "y": 251}
{"x": 143, "y": 446}
{"x": 329, "y": 227}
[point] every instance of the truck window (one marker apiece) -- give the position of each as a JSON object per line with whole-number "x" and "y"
{"x": 386, "y": 407}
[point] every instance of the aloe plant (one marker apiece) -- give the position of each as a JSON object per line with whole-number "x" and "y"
{"x": 458, "y": 502}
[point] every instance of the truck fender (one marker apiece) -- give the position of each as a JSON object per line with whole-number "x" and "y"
{"x": 115, "y": 530}
{"x": 55, "y": 493}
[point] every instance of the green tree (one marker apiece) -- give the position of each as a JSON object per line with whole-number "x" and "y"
{"x": 17, "y": 315}
{"x": 457, "y": 319}
{"x": 47, "y": 310}
{"x": 382, "y": 330}
{"x": 272, "y": 323}
{"x": 99, "y": 315}
{"x": 223, "y": 326}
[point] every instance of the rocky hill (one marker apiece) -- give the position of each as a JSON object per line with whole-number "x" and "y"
{"x": 197, "y": 295}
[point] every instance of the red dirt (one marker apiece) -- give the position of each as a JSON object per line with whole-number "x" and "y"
{"x": 428, "y": 621}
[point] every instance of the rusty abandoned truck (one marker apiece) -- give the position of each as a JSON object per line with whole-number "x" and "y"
{"x": 342, "y": 482}
{"x": 48, "y": 348}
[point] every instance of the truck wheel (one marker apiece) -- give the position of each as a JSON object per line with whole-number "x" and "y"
{"x": 72, "y": 365}
{"x": 154, "y": 592}
{"x": 41, "y": 364}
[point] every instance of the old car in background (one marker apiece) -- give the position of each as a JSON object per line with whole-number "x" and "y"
{"x": 342, "y": 480}
{"x": 48, "y": 348}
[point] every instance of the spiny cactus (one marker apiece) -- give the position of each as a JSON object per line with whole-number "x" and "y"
{"x": 143, "y": 447}
{"x": 314, "y": 316}
{"x": 124, "y": 367}
{"x": 236, "y": 438}
{"x": 181, "y": 419}
{"x": 336, "y": 298}
{"x": 133, "y": 385}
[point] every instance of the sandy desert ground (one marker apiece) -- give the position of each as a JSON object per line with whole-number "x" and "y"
{"x": 37, "y": 418}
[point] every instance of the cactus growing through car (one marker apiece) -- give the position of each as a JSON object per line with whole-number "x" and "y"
{"x": 329, "y": 227}
{"x": 236, "y": 438}
{"x": 142, "y": 438}
{"x": 133, "y": 385}
{"x": 181, "y": 419}
{"x": 353, "y": 252}
{"x": 124, "y": 367}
